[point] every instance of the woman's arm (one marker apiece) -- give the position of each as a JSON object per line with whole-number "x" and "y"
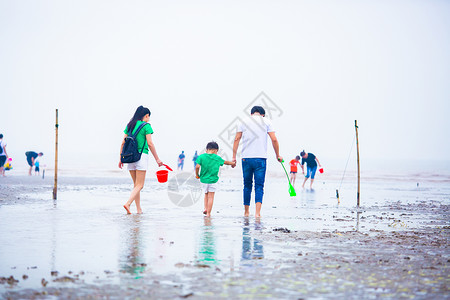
{"x": 120, "y": 152}
{"x": 152, "y": 148}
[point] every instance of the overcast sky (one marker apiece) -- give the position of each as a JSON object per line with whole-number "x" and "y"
{"x": 198, "y": 64}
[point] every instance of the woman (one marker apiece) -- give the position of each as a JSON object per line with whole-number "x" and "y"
{"x": 139, "y": 168}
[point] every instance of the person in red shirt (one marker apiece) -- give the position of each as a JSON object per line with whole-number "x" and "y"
{"x": 293, "y": 165}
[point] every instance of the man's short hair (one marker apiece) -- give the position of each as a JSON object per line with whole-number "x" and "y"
{"x": 258, "y": 109}
{"x": 1, "y": 136}
{"x": 302, "y": 153}
{"x": 212, "y": 146}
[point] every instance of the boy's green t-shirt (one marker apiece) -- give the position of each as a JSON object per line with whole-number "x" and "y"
{"x": 210, "y": 164}
{"x": 142, "y": 135}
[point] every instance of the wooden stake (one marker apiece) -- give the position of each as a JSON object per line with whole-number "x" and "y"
{"x": 357, "y": 159}
{"x": 55, "y": 187}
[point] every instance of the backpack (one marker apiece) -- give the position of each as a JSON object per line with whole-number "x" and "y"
{"x": 130, "y": 152}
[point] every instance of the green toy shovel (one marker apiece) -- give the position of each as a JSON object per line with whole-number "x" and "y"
{"x": 292, "y": 192}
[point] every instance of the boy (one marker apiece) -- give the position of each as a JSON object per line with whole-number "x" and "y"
{"x": 293, "y": 165}
{"x": 210, "y": 163}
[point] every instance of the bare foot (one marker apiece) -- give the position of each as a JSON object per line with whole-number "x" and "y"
{"x": 246, "y": 214}
{"x": 127, "y": 208}
{"x": 140, "y": 211}
{"x": 257, "y": 216}
{"x": 208, "y": 215}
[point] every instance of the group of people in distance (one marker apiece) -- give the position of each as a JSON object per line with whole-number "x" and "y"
{"x": 181, "y": 158}
{"x": 252, "y": 134}
{"x": 34, "y": 159}
{"x": 311, "y": 167}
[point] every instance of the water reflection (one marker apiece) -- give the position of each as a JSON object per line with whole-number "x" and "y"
{"x": 133, "y": 261}
{"x": 251, "y": 250}
{"x": 207, "y": 253}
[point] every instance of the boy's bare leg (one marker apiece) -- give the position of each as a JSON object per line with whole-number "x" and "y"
{"x": 293, "y": 178}
{"x": 258, "y": 210}
{"x": 210, "y": 203}
{"x": 205, "y": 210}
{"x": 246, "y": 210}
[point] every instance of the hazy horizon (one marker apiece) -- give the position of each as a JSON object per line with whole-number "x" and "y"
{"x": 198, "y": 66}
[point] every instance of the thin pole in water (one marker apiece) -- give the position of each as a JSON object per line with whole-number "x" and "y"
{"x": 55, "y": 187}
{"x": 357, "y": 159}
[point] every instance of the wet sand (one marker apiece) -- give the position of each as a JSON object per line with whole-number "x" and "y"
{"x": 308, "y": 247}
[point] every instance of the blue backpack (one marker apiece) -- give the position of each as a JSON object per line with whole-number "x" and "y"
{"x": 130, "y": 152}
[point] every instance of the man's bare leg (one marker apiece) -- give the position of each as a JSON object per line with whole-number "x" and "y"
{"x": 258, "y": 210}
{"x": 246, "y": 210}
{"x": 303, "y": 185}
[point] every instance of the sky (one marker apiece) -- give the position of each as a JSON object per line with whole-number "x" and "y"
{"x": 197, "y": 65}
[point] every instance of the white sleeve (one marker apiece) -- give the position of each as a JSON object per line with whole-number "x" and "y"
{"x": 240, "y": 127}
{"x": 269, "y": 126}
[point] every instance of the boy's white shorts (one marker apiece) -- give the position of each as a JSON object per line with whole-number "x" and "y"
{"x": 209, "y": 187}
{"x": 140, "y": 165}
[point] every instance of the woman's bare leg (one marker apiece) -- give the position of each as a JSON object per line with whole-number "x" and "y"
{"x": 138, "y": 179}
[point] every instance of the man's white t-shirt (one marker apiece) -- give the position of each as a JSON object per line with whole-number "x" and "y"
{"x": 255, "y": 131}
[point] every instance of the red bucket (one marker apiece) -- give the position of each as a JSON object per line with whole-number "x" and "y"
{"x": 162, "y": 175}
{"x": 321, "y": 170}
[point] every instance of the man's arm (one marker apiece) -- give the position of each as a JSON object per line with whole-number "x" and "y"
{"x": 230, "y": 163}
{"x": 318, "y": 161}
{"x": 275, "y": 145}
{"x": 237, "y": 139}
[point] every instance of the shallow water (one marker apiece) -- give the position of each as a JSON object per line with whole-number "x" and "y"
{"x": 86, "y": 234}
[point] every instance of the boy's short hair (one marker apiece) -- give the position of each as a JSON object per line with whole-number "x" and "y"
{"x": 297, "y": 157}
{"x": 258, "y": 109}
{"x": 212, "y": 146}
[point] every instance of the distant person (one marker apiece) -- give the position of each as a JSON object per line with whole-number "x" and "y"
{"x": 194, "y": 159}
{"x": 254, "y": 132}
{"x": 31, "y": 157}
{"x": 144, "y": 141}
{"x": 3, "y": 155}
{"x": 209, "y": 164}
{"x": 293, "y": 164}
{"x": 181, "y": 160}
{"x": 311, "y": 166}
{"x": 39, "y": 165}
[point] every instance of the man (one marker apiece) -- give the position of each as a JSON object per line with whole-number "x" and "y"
{"x": 31, "y": 157}
{"x": 254, "y": 132}
{"x": 181, "y": 160}
{"x": 311, "y": 166}
{"x": 3, "y": 155}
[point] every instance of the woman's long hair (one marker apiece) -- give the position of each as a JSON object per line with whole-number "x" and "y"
{"x": 138, "y": 116}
